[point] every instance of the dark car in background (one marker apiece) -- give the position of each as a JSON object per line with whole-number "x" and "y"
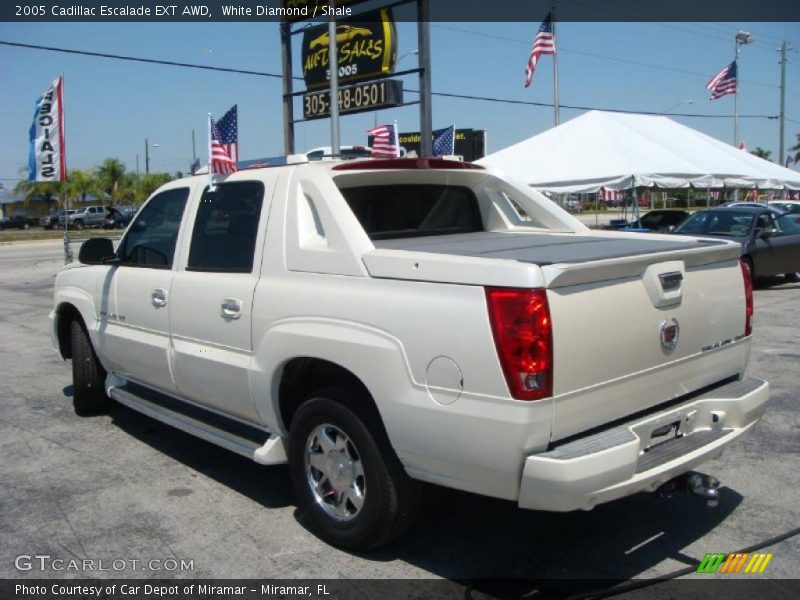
{"x": 660, "y": 221}
{"x": 788, "y": 206}
{"x": 769, "y": 237}
{"x": 119, "y": 217}
{"x": 15, "y": 222}
{"x": 51, "y": 221}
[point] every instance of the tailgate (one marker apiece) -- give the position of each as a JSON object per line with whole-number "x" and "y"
{"x": 663, "y": 328}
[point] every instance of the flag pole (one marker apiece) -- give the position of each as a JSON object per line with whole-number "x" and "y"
{"x": 210, "y": 173}
{"x": 63, "y": 187}
{"x": 555, "y": 64}
{"x": 396, "y": 140}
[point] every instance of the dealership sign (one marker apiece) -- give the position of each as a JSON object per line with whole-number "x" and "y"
{"x": 469, "y": 143}
{"x": 369, "y": 95}
{"x": 366, "y": 47}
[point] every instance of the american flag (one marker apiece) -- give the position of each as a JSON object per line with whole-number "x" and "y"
{"x": 543, "y": 44}
{"x": 606, "y": 194}
{"x": 385, "y": 142}
{"x": 224, "y": 144}
{"x": 444, "y": 141}
{"x": 723, "y": 83}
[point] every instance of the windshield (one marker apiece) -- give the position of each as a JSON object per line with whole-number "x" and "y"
{"x": 725, "y": 223}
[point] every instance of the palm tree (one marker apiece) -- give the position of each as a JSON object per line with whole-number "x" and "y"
{"x": 111, "y": 177}
{"x": 761, "y": 153}
{"x": 796, "y": 150}
{"x": 49, "y": 190}
{"x": 147, "y": 184}
{"x": 80, "y": 184}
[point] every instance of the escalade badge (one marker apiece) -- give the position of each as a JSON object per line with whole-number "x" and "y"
{"x": 669, "y": 334}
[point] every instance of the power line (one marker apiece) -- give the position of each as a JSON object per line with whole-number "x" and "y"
{"x": 274, "y": 75}
{"x": 600, "y": 56}
{"x": 142, "y": 60}
{"x": 574, "y": 107}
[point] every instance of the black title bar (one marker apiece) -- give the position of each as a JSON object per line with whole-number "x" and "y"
{"x": 440, "y": 10}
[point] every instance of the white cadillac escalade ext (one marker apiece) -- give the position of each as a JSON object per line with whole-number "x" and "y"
{"x": 380, "y": 323}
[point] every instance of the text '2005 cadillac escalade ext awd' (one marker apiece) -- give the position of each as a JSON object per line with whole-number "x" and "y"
{"x": 381, "y": 323}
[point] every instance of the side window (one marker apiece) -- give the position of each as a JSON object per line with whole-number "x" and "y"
{"x": 226, "y": 227}
{"x": 151, "y": 239}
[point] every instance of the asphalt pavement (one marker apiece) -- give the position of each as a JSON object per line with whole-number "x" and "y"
{"x": 123, "y": 487}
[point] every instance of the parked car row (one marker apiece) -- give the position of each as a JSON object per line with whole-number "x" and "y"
{"x": 119, "y": 217}
{"x": 660, "y": 221}
{"x": 768, "y": 233}
{"x": 16, "y": 222}
{"x": 51, "y": 221}
{"x": 114, "y": 217}
{"x": 770, "y": 238}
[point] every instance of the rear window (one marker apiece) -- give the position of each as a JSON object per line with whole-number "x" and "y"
{"x": 410, "y": 210}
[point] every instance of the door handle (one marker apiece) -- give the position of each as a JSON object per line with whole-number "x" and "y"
{"x": 159, "y": 297}
{"x": 231, "y": 308}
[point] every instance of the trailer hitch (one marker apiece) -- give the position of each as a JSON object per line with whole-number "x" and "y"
{"x": 698, "y": 484}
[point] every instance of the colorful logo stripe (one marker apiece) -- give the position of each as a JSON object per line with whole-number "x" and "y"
{"x": 720, "y": 562}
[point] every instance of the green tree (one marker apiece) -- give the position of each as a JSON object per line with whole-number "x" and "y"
{"x": 80, "y": 184}
{"x": 761, "y": 153}
{"x": 50, "y": 191}
{"x": 111, "y": 178}
{"x": 147, "y": 184}
{"x": 796, "y": 149}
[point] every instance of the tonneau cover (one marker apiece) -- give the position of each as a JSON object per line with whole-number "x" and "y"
{"x": 540, "y": 248}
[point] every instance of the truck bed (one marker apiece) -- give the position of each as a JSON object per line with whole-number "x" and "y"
{"x": 539, "y": 248}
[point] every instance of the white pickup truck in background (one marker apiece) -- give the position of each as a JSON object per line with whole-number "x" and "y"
{"x": 381, "y": 323}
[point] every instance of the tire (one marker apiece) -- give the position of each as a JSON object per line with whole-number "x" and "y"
{"x": 88, "y": 375}
{"x": 78, "y": 225}
{"x": 26, "y": 226}
{"x": 360, "y": 459}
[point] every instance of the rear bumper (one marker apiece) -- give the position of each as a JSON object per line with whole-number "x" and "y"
{"x": 627, "y": 459}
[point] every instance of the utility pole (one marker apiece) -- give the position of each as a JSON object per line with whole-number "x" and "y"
{"x": 425, "y": 109}
{"x": 146, "y": 156}
{"x": 782, "y": 121}
{"x": 288, "y": 106}
{"x": 741, "y": 38}
{"x": 333, "y": 65}
{"x": 556, "y": 114}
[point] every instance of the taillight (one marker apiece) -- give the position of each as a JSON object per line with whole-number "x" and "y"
{"x": 523, "y": 337}
{"x": 748, "y": 296}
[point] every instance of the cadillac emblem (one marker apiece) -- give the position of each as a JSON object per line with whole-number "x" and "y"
{"x": 669, "y": 334}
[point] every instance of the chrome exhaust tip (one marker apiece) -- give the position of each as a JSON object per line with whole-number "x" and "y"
{"x": 705, "y": 486}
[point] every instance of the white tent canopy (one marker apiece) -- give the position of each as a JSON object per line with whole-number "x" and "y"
{"x": 618, "y": 151}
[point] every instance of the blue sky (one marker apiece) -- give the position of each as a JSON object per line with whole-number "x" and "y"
{"x": 112, "y": 106}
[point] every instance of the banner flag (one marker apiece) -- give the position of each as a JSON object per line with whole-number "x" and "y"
{"x": 47, "y": 159}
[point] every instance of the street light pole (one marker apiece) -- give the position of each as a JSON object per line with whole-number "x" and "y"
{"x": 783, "y": 105}
{"x": 740, "y": 39}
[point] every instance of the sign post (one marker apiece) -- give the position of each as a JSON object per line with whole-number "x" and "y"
{"x": 333, "y": 67}
{"x": 425, "y": 109}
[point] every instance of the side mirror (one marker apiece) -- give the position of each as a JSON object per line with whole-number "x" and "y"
{"x": 765, "y": 234}
{"x": 96, "y": 251}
